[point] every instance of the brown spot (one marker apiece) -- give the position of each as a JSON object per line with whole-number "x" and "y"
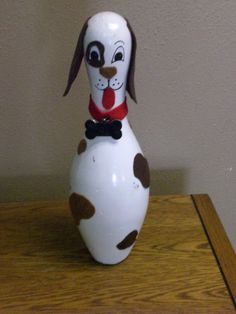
{"x": 128, "y": 240}
{"x": 141, "y": 170}
{"x": 108, "y": 72}
{"x": 81, "y": 207}
{"x": 82, "y": 147}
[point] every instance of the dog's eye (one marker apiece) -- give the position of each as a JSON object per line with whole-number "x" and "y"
{"x": 119, "y": 54}
{"x": 95, "y": 54}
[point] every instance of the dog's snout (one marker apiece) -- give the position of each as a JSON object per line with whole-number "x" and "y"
{"x": 108, "y": 72}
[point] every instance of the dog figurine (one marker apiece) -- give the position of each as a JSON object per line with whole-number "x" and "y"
{"x": 109, "y": 175}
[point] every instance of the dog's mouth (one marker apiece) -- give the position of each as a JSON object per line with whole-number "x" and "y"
{"x": 108, "y": 86}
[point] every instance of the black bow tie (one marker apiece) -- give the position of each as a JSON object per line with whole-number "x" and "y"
{"x": 104, "y": 128}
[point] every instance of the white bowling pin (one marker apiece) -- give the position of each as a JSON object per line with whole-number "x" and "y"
{"x": 109, "y": 175}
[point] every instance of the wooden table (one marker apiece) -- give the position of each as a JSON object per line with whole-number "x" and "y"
{"x": 182, "y": 262}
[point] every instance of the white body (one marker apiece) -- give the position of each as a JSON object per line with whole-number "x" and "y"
{"x": 109, "y": 185}
{"x": 104, "y": 175}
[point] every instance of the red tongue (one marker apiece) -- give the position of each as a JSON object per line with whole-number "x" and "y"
{"x": 108, "y": 98}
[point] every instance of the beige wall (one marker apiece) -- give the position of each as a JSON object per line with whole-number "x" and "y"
{"x": 186, "y": 88}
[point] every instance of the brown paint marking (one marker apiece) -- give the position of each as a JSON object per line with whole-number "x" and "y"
{"x": 81, "y": 207}
{"x": 141, "y": 170}
{"x": 128, "y": 240}
{"x": 108, "y": 72}
{"x": 82, "y": 147}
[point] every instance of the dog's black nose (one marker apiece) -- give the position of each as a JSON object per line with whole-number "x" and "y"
{"x": 108, "y": 72}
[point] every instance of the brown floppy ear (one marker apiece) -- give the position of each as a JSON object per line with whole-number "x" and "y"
{"x": 77, "y": 59}
{"x": 130, "y": 80}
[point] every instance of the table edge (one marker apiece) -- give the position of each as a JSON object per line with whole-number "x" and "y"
{"x": 211, "y": 222}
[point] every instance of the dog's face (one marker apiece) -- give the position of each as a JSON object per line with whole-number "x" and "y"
{"x": 108, "y": 46}
{"x": 107, "y": 52}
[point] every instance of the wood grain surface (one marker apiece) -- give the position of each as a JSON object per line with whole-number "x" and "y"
{"x": 45, "y": 267}
{"x": 219, "y": 241}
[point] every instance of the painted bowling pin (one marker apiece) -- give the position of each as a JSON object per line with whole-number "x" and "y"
{"x": 109, "y": 175}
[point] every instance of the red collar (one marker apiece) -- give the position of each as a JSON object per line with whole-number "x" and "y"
{"x": 118, "y": 113}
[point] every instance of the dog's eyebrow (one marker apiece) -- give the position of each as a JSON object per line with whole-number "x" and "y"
{"x": 119, "y": 41}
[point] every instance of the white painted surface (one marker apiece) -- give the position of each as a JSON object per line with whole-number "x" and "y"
{"x": 110, "y": 29}
{"x": 104, "y": 175}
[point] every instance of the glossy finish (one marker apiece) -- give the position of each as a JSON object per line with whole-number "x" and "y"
{"x": 103, "y": 173}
